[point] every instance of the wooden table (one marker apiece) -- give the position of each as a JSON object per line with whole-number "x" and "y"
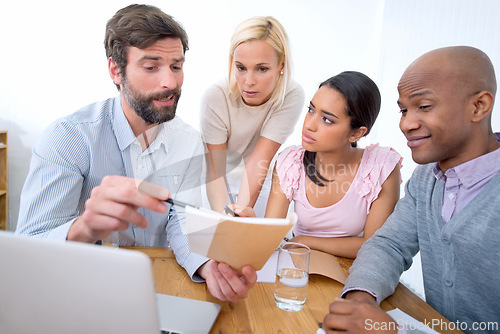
{"x": 259, "y": 314}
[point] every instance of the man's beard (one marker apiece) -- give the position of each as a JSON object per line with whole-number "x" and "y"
{"x": 144, "y": 106}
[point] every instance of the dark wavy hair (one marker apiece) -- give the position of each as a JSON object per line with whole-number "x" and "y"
{"x": 139, "y": 26}
{"x": 363, "y": 106}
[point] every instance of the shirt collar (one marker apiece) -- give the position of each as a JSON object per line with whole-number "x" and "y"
{"x": 474, "y": 171}
{"x": 438, "y": 173}
{"x": 123, "y": 132}
{"x": 161, "y": 139}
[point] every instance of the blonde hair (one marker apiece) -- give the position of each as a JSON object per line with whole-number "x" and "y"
{"x": 264, "y": 28}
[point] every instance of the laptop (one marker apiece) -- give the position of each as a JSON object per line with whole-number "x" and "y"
{"x": 68, "y": 287}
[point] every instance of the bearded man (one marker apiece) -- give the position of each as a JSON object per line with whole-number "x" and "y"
{"x": 87, "y": 173}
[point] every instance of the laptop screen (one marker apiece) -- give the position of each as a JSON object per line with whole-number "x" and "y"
{"x": 69, "y": 287}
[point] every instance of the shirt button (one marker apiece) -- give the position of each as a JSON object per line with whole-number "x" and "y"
{"x": 451, "y": 196}
{"x": 449, "y": 283}
{"x": 446, "y": 241}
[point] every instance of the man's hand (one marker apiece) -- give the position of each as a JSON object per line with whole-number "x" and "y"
{"x": 113, "y": 205}
{"x": 359, "y": 313}
{"x": 226, "y": 284}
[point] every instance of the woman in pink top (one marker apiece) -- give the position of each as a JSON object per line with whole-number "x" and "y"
{"x": 342, "y": 194}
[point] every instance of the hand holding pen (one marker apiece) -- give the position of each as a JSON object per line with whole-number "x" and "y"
{"x": 228, "y": 210}
{"x": 241, "y": 212}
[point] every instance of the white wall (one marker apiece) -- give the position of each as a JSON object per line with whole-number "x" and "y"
{"x": 53, "y": 62}
{"x": 412, "y": 28}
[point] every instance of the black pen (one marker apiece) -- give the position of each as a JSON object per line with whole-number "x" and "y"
{"x": 231, "y": 201}
{"x": 179, "y": 203}
{"x": 183, "y": 205}
{"x": 231, "y": 212}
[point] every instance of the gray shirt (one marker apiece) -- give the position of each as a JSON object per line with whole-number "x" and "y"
{"x": 460, "y": 258}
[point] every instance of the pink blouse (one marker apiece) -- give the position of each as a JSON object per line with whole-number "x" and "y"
{"x": 347, "y": 217}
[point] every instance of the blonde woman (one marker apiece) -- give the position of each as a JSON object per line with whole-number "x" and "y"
{"x": 246, "y": 118}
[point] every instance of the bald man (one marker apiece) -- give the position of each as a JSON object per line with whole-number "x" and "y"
{"x": 451, "y": 209}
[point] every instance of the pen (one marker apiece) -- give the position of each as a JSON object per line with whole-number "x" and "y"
{"x": 179, "y": 203}
{"x": 231, "y": 201}
{"x": 231, "y": 212}
{"x": 183, "y": 204}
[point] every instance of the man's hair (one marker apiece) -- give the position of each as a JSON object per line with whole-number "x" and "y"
{"x": 139, "y": 26}
{"x": 268, "y": 29}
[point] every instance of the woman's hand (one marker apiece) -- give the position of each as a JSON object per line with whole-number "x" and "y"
{"x": 242, "y": 211}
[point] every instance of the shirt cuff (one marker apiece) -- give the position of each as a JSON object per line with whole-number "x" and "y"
{"x": 401, "y": 328}
{"x": 354, "y": 288}
{"x": 61, "y": 232}
{"x": 192, "y": 266}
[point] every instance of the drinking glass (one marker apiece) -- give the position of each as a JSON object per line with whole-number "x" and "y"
{"x": 292, "y": 275}
{"x": 113, "y": 240}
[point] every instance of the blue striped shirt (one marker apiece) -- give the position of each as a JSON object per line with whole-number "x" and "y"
{"x": 76, "y": 152}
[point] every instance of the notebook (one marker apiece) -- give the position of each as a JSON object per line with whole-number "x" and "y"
{"x": 68, "y": 287}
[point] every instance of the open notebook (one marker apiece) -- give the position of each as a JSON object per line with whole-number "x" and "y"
{"x": 237, "y": 241}
{"x": 68, "y": 287}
